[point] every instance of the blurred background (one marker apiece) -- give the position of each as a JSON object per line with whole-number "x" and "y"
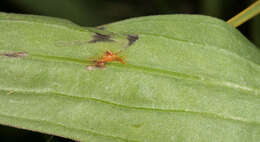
{"x": 99, "y": 12}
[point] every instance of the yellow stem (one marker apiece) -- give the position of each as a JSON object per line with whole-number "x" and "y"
{"x": 246, "y": 14}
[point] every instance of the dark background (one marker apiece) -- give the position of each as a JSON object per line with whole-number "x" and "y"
{"x": 98, "y": 12}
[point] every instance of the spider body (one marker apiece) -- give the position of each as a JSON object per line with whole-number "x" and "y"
{"x": 108, "y": 57}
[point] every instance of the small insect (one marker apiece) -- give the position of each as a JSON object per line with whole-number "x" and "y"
{"x": 107, "y": 57}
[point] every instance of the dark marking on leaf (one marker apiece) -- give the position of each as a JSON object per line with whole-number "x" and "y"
{"x": 132, "y": 39}
{"x": 14, "y": 54}
{"x": 100, "y": 38}
{"x": 137, "y": 125}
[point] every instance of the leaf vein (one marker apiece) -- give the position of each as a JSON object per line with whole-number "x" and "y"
{"x": 205, "y": 114}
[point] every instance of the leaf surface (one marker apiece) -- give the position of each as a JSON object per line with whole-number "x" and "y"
{"x": 187, "y": 78}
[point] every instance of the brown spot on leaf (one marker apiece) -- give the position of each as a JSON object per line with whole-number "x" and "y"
{"x": 10, "y": 92}
{"x": 132, "y": 39}
{"x": 100, "y": 38}
{"x": 100, "y": 28}
{"x": 94, "y": 67}
{"x": 90, "y": 68}
{"x": 137, "y": 125}
{"x": 14, "y": 54}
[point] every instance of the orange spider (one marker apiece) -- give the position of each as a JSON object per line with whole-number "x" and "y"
{"x": 108, "y": 57}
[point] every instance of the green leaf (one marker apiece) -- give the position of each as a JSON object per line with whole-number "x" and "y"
{"x": 186, "y": 78}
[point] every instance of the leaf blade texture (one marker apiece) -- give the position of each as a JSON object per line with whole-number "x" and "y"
{"x": 187, "y": 78}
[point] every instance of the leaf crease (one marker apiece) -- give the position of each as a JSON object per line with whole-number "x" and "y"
{"x": 205, "y": 114}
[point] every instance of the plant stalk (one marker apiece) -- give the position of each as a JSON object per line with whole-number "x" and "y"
{"x": 245, "y": 15}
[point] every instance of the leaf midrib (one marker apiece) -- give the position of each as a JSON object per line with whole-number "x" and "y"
{"x": 160, "y": 72}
